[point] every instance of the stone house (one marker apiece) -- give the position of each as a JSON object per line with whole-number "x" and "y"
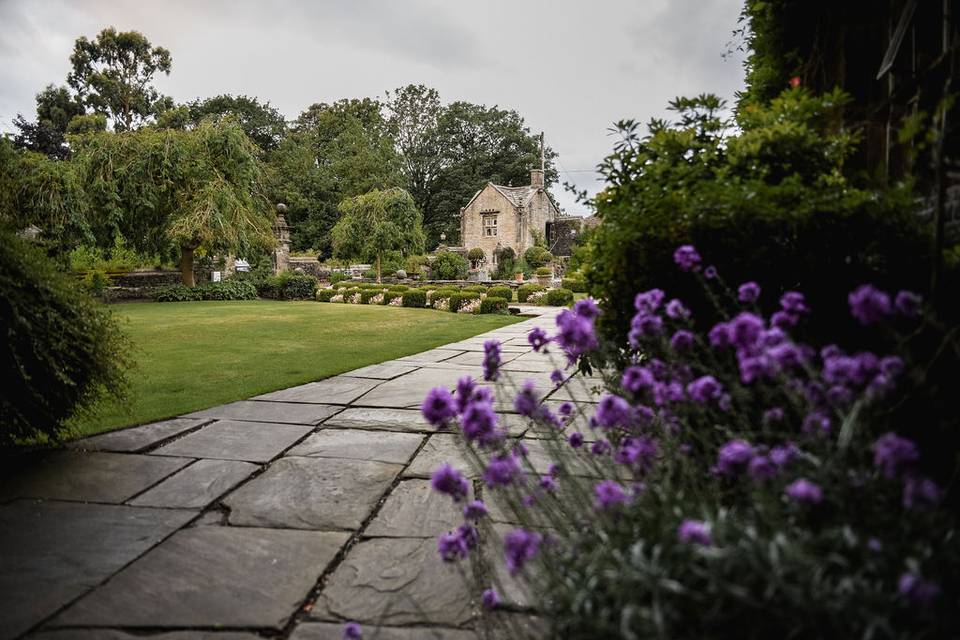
{"x": 498, "y": 217}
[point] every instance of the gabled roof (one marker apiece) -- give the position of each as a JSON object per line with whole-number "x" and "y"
{"x": 517, "y": 196}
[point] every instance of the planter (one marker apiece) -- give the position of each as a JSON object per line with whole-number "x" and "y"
{"x": 544, "y": 281}
{"x": 518, "y": 277}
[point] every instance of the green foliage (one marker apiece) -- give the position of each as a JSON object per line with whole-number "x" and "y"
{"x": 506, "y": 264}
{"x": 412, "y": 264}
{"x": 377, "y": 222}
{"x": 324, "y": 295}
{"x": 457, "y": 300}
{"x": 299, "y": 287}
{"x": 62, "y": 352}
{"x": 95, "y": 282}
{"x": 543, "y": 271}
{"x": 449, "y": 266}
{"x": 112, "y": 76}
{"x": 55, "y": 109}
{"x": 524, "y": 291}
{"x": 178, "y": 293}
{"x": 391, "y": 295}
{"x": 400, "y": 288}
{"x": 493, "y": 304}
{"x": 231, "y": 289}
{"x": 769, "y": 203}
{"x": 500, "y": 292}
{"x": 370, "y": 274}
{"x": 559, "y": 297}
{"x": 415, "y": 298}
{"x": 476, "y": 255}
{"x": 338, "y": 276}
{"x": 574, "y": 284}
{"x": 476, "y": 288}
{"x": 537, "y": 257}
{"x": 262, "y": 123}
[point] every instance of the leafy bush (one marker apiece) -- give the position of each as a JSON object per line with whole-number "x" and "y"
{"x": 449, "y": 266}
{"x": 61, "y": 352}
{"x": 493, "y": 304}
{"x": 412, "y": 264}
{"x": 231, "y": 289}
{"x": 324, "y": 295}
{"x": 476, "y": 288}
{"x": 95, "y": 282}
{"x": 415, "y": 298}
{"x": 457, "y": 300}
{"x": 391, "y": 295}
{"x": 559, "y": 297}
{"x": 476, "y": 255}
{"x": 366, "y": 294}
{"x": 370, "y": 274}
{"x": 770, "y": 202}
{"x": 500, "y": 292}
{"x": 574, "y": 284}
{"x": 299, "y": 287}
{"x": 537, "y": 257}
{"x": 524, "y": 291}
{"x": 338, "y": 276}
{"x": 177, "y": 293}
{"x": 543, "y": 271}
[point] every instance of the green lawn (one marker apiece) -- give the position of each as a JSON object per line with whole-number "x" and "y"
{"x": 194, "y": 355}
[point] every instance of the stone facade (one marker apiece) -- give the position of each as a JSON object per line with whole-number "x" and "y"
{"x": 498, "y": 217}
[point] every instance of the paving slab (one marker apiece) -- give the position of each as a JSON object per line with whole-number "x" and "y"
{"x": 137, "y": 438}
{"x": 433, "y": 355}
{"x": 334, "y": 631}
{"x": 383, "y": 371}
{"x": 440, "y": 448}
{"x": 53, "y": 552}
{"x": 88, "y": 476}
{"x": 197, "y": 485}
{"x": 312, "y": 493}
{"x": 386, "y": 419}
{"x": 410, "y": 390}
{"x": 358, "y": 444}
{"x": 232, "y": 440}
{"x": 114, "y": 634}
{"x": 226, "y": 577}
{"x": 275, "y": 412}
{"x": 414, "y": 510}
{"x": 475, "y": 359}
{"x": 397, "y": 581}
{"x": 336, "y": 390}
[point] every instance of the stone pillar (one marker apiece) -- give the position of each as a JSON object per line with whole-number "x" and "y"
{"x": 281, "y": 255}
{"x": 536, "y": 178}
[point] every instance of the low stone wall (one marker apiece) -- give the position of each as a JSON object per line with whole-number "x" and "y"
{"x": 309, "y": 266}
{"x": 159, "y": 278}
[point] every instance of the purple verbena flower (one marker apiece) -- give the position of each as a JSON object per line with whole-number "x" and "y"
{"x": 773, "y": 415}
{"x": 648, "y": 301}
{"x": 694, "y": 532}
{"x": 556, "y": 377}
{"x": 892, "y": 454}
{"x": 908, "y": 304}
{"x": 608, "y": 496}
{"x": 761, "y": 468}
{"x": 687, "y": 258}
{"x": 575, "y": 439}
{"x": 681, "y": 341}
{"x": 490, "y": 599}
{"x": 612, "y": 411}
{"x": 794, "y": 303}
{"x": 565, "y": 409}
{"x": 474, "y": 510}
{"x": 874, "y": 544}
{"x": 464, "y": 392}
{"x": 586, "y": 308}
{"x": 645, "y": 325}
{"x": 733, "y": 457}
{"x": 705, "y": 389}
{"x": 784, "y": 454}
{"x": 352, "y": 631}
{"x": 637, "y": 452}
{"x": 438, "y": 407}
{"x": 719, "y": 335}
{"x": 501, "y": 470}
{"x": 868, "y": 304}
{"x": 548, "y": 483}
{"x": 676, "y": 310}
{"x": 745, "y": 330}
{"x": 491, "y": 360}
{"x": 527, "y": 402}
{"x": 805, "y": 491}
{"x": 749, "y": 292}
{"x": 710, "y": 272}
{"x": 575, "y": 334}
{"x": 452, "y": 546}
{"x": 916, "y": 590}
{"x": 538, "y": 338}
{"x": 479, "y": 423}
{"x": 920, "y": 493}
{"x": 636, "y": 378}
{"x": 817, "y": 423}
{"x": 446, "y": 479}
{"x": 784, "y": 320}
{"x": 600, "y": 447}
{"x": 519, "y": 547}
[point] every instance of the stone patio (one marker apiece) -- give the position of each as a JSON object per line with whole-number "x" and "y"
{"x": 279, "y": 516}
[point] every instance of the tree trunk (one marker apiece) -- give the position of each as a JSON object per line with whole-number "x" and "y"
{"x": 186, "y": 265}
{"x": 379, "y": 280}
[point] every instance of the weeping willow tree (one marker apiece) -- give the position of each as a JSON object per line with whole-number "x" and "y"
{"x": 377, "y": 222}
{"x": 197, "y": 190}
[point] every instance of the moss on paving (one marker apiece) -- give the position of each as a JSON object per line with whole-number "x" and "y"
{"x": 194, "y": 355}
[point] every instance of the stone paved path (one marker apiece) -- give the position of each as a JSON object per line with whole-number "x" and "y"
{"x": 278, "y": 516}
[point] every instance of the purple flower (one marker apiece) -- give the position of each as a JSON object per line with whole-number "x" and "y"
{"x": 648, "y": 301}
{"x": 710, "y": 272}
{"x": 817, "y": 423}
{"x": 612, "y": 411}
{"x": 694, "y": 532}
{"x": 464, "y": 392}
{"x": 475, "y": 510}
{"x": 636, "y": 378}
{"x": 527, "y": 403}
{"x": 519, "y": 547}
{"x": 586, "y": 308}
{"x": 868, "y": 304}
{"x": 687, "y": 258}
{"x": 446, "y": 479}
{"x": 784, "y": 320}
{"x": 783, "y": 455}
{"x": 677, "y": 311}
{"x": 745, "y": 330}
{"x": 548, "y": 483}
{"x": 452, "y": 547}
{"x": 565, "y": 409}
{"x": 501, "y": 470}
{"x": 893, "y": 454}
{"x": 645, "y": 325}
{"x": 719, "y": 335}
{"x": 705, "y": 389}
{"x": 920, "y": 493}
{"x": 681, "y": 341}
{"x": 438, "y": 406}
{"x": 490, "y": 599}
{"x": 352, "y": 631}
{"x": 793, "y": 303}
{"x": 773, "y": 415}
{"x": 908, "y": 304}
{"x": 917, "y": 590}
{"x": 556, "y": 377}
{"x": 874, "y": 544}
{"x": 733, "y": 457}
{"x": 753, "y": 367}
{"x": 748, "y": 292}
{"x": 575, "y": 439}
{"x": 804, "y": 490}
{"x": 600, "y": 447}
{"x": 637, "y": 452}
{"x": 608, "y": 496}
{"x": 787, "y": 355}
{"x": 479, "y": 423}
{"x": 538, "y": 338}
{"x": 761, "y": 468}
{"x": 491, "y": 360}
{"x": 576, "y": 335}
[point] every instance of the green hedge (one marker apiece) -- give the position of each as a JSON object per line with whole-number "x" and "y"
{"x": 500, "y": 292}
{"x": 392, "y": 295}
{"x": 299, "y": 287}
{"x": 524, "y": 291}
{"x": 476, "y": 288}
{"x": 62, "y": 351}
{"x": 233, "y": 289}
{"x": 493, "y": 304}
{"x": 398, "y": 288}
{"x": 559, "y": 297}
{"x": 457, "y": 300}
{"x": 366, "y": 294}
{"x": 324, "y": 295}
{"x": 415, "y": 298}
{"x": 574, "y": 284}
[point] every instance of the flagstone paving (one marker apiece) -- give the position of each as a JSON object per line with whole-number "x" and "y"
{"x": 281, "y": 516}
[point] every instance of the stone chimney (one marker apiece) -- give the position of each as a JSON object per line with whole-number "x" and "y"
{"x": 536, "y": 178}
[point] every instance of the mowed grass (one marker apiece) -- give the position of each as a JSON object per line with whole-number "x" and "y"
{"x": 194, "y": 355}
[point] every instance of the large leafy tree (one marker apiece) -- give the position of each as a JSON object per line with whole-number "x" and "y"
{"x": 377, "y": 222}
{"x": 261, "y": 122}
{"x": 195, "y": 190}
{"x": 112, "y": 75}
{"x": 335, "y": 151}
{"x": 56, "y": 107}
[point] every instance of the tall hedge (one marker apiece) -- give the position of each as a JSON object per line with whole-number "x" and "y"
{"x": 61, "y": 351}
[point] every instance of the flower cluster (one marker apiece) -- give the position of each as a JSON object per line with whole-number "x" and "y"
{"x": 471, "y": 306}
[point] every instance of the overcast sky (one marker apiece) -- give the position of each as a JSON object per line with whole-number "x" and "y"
{"x": 570, "y": 67}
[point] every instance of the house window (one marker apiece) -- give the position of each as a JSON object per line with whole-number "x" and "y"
{"x": 490, "y": 226}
